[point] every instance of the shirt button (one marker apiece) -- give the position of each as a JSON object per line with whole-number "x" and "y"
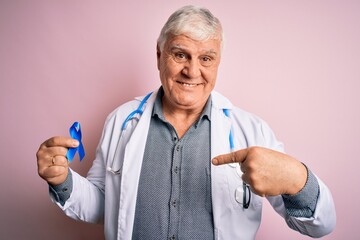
{"x": 173, "y": 203}
{"x": 172, "y": 237}
{"x": 178, "y": 148}
{"x": 64, "y": 189}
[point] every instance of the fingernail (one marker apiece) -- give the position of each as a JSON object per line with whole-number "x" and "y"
{"x": 215, "y": 161}
{"x": 75, "y": 143}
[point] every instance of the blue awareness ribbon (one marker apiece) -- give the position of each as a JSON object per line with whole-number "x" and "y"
{"x": 75, "y": 132}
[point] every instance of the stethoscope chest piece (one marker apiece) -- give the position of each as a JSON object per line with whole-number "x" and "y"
{"x": 243, "y": 195}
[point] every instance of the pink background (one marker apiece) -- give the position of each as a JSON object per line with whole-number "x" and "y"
{"x": 293, "y": 63}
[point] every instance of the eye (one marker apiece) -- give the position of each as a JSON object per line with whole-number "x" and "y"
{"x": 180, "y": 55}
{"x": 206, "y": 60}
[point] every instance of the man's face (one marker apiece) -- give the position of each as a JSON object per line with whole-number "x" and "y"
{"x": 188, "y": 71}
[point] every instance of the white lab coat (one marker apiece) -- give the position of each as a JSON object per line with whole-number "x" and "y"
{"x": 103, "y": 196}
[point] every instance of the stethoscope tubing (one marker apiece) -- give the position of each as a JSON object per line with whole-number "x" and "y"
{"x": 140, "y": 111}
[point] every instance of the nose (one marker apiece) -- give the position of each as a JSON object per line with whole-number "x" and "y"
{"x": 192, "y": 69}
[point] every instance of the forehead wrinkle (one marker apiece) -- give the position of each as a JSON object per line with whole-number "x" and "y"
{"x": 183, "y": 48}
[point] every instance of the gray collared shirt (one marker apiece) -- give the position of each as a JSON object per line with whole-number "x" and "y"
{"x": 174, "y": 195}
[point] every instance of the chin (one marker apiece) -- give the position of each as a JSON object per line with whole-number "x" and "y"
{"x": 190, "y": 102}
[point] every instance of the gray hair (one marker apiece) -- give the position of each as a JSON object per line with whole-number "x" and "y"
{"x": 195, "y": 22}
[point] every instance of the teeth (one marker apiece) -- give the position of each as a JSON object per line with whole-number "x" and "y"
{"x": 188, "y": 84}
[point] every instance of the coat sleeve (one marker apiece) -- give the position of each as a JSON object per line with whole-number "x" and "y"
{"x": 86, "y": 202}
{"x": 323, "y": 220}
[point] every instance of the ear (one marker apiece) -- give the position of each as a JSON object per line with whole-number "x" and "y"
{"x": 158, "y": 54}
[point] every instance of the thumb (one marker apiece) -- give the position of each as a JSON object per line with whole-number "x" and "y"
{"x": 233, "y": 157}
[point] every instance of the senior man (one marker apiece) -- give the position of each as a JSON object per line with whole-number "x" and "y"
{"x": 191, "y": 166}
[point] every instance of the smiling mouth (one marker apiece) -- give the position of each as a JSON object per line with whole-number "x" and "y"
{"x": 189, "y": 84}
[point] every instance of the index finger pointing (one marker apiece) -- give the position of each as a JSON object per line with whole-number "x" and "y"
{"x": 60, "y": 142}
{"x": 233, "y": 157}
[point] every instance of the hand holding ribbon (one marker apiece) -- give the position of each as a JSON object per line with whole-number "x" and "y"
{"x": 75, "y": 132}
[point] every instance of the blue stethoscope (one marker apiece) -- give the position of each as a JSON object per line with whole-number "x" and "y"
{"x": 240, "y": 194}
{"x": 139, "y": 111}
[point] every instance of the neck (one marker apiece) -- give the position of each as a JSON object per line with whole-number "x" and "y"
{"x": 181, "y": 119}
